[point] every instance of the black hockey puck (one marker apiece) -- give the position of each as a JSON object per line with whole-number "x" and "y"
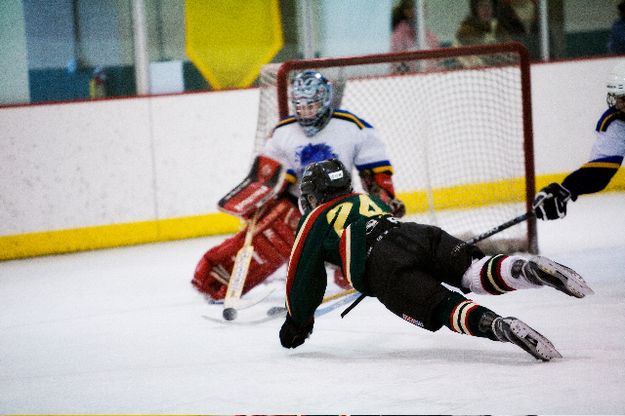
{"x": 230, "y": 314}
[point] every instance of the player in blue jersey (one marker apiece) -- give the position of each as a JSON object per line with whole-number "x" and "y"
{"x": 316, "y": 131}
{"x": 605, "y": 159}
{"x": 404, "y": 265}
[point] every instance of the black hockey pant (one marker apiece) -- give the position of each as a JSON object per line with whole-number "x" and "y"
{"x": 405, "y": 270}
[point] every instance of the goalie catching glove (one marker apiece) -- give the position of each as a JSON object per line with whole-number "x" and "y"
{"x": 550, "y": 202}
{"x": 381, "y": 185}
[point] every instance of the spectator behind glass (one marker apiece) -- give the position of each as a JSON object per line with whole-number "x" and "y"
{"x": 519, "y": 18}
{"x": 404, "y": 34}
{"x": 616, "y": 41}
{"x": 480, "y": 25}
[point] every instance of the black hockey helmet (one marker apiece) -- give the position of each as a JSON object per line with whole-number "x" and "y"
{"x": 323, "y": 181}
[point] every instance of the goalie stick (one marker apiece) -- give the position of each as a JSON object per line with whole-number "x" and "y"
{"x": 232, "y": 301}
{"x": 245, "y": 303}
{"x": 476, "y": 239}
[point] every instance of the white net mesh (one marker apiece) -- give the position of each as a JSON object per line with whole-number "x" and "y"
{"x": 454, "y": 130}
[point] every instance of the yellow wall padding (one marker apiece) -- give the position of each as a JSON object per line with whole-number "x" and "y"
{"x": 229, "y": 41}
{"x": 115, "y": 235}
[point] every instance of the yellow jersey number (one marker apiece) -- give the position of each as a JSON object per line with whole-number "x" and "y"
{"x": 368, "y": 208}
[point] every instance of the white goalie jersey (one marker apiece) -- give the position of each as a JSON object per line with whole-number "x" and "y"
{"x": 610, "y": 143}
{"x": 346, "y": 137}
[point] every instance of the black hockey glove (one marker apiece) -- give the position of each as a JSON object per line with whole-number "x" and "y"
{"x": 550, "y": 202}
{"x": 293, "y": 335}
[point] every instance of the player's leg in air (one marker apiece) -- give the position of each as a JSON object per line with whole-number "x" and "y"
{"x": 407, "y": 269}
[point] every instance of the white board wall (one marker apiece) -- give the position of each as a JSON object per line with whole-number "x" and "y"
{"x": 81, "y": 164}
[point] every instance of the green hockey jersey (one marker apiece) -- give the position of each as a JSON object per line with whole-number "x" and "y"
{"x": 333, "y": 232}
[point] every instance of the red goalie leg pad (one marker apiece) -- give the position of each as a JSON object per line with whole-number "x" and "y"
{"x": 272, "y": 241}
{"x": 214, "y": 268}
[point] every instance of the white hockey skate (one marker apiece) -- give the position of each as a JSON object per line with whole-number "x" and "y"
{"x": 542, "y": 270}
{"x": 513, "y": 330}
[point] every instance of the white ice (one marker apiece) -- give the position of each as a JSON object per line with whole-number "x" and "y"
{"x": 121, "y": 331}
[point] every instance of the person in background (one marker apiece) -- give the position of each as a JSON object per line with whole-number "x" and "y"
{"x": 519, "y": 19}
{"x": 404, "y": 265}
{"x": 605, "y": 159}
{"x": 480, "y": 26}
{"x": 404, "y": 33}
{"x": 616, "y": 40}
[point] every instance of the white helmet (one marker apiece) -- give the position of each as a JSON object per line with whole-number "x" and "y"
{"x": 616, "y": 83}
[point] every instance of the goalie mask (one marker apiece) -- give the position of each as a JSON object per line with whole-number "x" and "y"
{"x": 311, "y": 96}
{"x": 616, "y": 87}
{"x": 323, "y": 181}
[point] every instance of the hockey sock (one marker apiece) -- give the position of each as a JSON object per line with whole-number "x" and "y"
{"x": 464, "y": 316}
{"x": 496, "y": 275}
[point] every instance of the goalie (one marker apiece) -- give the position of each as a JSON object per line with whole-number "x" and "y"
{"x": 316, "y": 132}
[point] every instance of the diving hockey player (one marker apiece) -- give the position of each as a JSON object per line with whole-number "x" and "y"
{"x": 606, "y": 155}
{"x": 316, "y": 132}
{"x": 404, "y": 264}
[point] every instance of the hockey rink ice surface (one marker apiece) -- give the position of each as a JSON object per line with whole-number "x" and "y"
{"x": 121, "y": 331}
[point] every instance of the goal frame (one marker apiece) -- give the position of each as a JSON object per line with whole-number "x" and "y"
{"x": 282, "y": 81}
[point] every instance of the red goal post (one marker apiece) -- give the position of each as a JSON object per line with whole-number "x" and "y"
{"x": 457, "y": 123}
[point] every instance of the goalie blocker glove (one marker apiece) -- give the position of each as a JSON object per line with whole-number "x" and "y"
{"x": 550, "y": 202}
{"x": 381, "y": 185}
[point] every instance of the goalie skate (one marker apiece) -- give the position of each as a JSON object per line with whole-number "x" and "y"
{"x": 547, "y": 272}
{"x": 513, "y": 330}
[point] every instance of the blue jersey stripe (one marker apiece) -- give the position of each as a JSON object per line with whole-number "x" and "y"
{"x": 610, "y": 159}
{"x": 291, "y": 177}
{"x": 346, "y": 115}
{"x": 610, "y": 115}
{"x": 376, "y": 166}
{"x": 286, "y": 121}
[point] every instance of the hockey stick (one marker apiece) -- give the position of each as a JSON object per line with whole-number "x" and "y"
{"x": 349, "y": 297}
{"x": 239, "y": 272}
{"x": 276, "y": 312}
{"x": 476, "y": 239}
{"x": 337, "y": 295}
{"x": 500, "y": 227}
{"x": 346, "y": 294}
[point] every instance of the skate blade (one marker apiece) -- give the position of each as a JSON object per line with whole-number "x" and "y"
{"x": 533, "y": 342}
{"x": 571, "y": 282}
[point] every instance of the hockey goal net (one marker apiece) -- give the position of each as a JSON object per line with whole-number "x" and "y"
{"x": 457, "y": 126}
